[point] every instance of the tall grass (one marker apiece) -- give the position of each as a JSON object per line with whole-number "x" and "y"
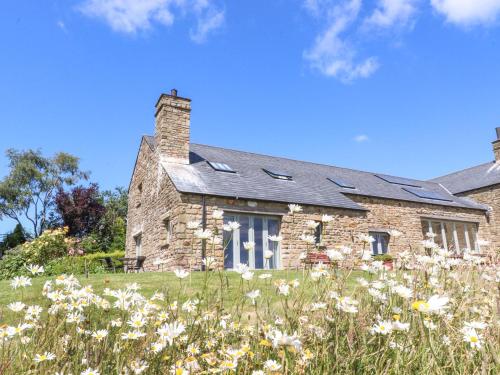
{"x": 438, "y": 316}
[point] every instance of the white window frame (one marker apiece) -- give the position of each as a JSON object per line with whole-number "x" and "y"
{"x": 251, "y": 237}
{"x": 167, "y": 227}
{"x": 138, "y": 244}
{"x": 379, "y": 249}
{"x": 456, "y": 243}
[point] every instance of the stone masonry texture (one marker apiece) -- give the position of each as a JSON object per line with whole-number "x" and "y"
{"x": 154, "y": 202}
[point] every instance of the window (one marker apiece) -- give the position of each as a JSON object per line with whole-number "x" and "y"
{"x": 318, "y": 233}
{"x": 381, "y": 244}
{"x": 341, "y": 183}
{"x": 167, "y": 230}
{"x": 254, "y": 229}
{"x": 138, "y": 245}
{"x": 455, "y": 236}
{"x": 279, "y": 175}
{"x": 398, "y": 180}
{"x": 428, "y": 194}
{"x": 139, "y": 190}
{"x": 221, "y": 167}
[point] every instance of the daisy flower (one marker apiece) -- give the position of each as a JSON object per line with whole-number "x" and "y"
{"x": 47, "y": 356}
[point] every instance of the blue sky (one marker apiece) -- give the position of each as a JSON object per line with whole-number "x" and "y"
{"x": 406, "y": 87}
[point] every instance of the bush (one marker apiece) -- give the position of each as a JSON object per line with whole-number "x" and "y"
{"x": 78, "y": 264}
{"x": 51, "y": 244}
{"x": 90, "y": 244}
{"x": 383, "y": 257}
{"x": 13, "y": 263}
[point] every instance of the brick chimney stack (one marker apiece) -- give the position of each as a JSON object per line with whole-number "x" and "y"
{"x": 173, "y": 118}
{"x": 496, "y": 146}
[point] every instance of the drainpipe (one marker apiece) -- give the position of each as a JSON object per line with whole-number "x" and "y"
{"x": 204, "y": 226}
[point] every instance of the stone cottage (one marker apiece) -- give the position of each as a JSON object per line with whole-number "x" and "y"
{"x": 481, "y": 184}
{"x": 176, "y": 182}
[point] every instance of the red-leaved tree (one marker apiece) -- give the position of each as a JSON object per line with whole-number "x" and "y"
{"x": 80, "y": 209}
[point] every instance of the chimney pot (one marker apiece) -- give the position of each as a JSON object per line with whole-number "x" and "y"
{"x": 173, "y": 92}
{"x": 498, "y": 132}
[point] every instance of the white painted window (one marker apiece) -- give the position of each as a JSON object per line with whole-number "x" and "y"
{"x": 138, "y": 245}
{"x": 318, "y": 233}
{"x": 167, "y": 227}
{"x": 455, "y": 236}
{"x": 381, "y": 244}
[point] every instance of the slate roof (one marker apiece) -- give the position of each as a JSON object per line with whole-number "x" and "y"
{"x": 310, "y": 185}
{"x": 472, "y": 178}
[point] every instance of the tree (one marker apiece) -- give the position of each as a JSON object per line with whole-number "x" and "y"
{"x": 80, "y": 209}
{"x": 27, "y": 192}
{"x": 12, "y": 239}
{"x": 113, "y": 224}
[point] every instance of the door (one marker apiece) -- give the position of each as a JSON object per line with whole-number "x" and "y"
{"x": 255, "y": 229}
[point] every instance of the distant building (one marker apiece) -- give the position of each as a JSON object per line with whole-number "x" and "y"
{"x": 175, "y": 182}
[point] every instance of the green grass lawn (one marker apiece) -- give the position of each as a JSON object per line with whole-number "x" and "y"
{"x": 150, "y": 282}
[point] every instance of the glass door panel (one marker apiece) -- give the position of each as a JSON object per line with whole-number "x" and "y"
{"x": 256, "y": 229}
{"x": 273, "y": 230}
{"x": 259, "y": 242}
{"x": 244, "y": 237}
{"x": 228, "y": 245}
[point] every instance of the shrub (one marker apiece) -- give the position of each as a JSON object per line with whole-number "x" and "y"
{"x": 93, "y": 263}
{"x": 90, "y": 244}
{"x": 51, "y": 244}
{"x": 383, "y": 257}
{"x": 13, "y": 263}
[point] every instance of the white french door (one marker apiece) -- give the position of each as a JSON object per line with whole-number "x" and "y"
{"x": 255, "y": 229}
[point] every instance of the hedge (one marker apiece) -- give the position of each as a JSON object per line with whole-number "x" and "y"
{"x": 78, "y": 264}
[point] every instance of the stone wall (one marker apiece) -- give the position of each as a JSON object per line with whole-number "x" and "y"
{"x": 173, "y": 117}
{"x": 489, "y": 196}
{"x": 152, "y": 200}
{"x": 381, "y": 214}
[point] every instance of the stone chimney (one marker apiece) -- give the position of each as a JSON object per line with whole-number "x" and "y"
{"x": 173, "y": 118}
{"x": 496, "y": 146}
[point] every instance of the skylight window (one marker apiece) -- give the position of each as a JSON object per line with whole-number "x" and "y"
{"x": 221, "y": 167}
{"x": 428, "y": 194}
{"x": 398, "y": 180}
{"x": 279, "y": 175}
{"x": 341, "y": 183}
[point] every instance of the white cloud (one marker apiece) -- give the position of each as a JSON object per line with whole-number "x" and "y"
{"x": 132, "y": 16}
{"x": 332, "y": 54}
{"x": 206, "y": 24}
{"x": 361, "y": 138}
{"x": 468, "y": 12}
{"x": 390, "y": 13}
{"x": 62, "y": 26}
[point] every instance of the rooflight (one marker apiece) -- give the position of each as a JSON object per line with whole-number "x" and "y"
{"x": 428, "y": 194}
{"x": 221, "y": 167}
{"x": 341, "y": 183}
{"x": 279, "y": 175}
{"x": 398, "y": 180}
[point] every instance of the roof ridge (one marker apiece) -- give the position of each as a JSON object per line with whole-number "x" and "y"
{"x": 461, "y": 170}
{"x": 312, "y": 162}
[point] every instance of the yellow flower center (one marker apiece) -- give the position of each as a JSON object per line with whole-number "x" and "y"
{"x": 420, "y": 305}
{"x": 396, "y": 317}
{"x": 265, "y": 343}
{"x": 474, "y": 339}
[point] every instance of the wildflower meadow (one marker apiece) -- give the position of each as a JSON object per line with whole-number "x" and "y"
{"x": 432, "y": 314}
